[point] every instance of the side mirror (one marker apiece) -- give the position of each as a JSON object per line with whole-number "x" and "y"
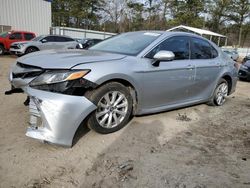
{"x": 163, "y": 56}
{"x": 43, "y": 40}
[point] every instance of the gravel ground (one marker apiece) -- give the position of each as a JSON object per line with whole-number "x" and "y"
{"x": 196, "y": 147}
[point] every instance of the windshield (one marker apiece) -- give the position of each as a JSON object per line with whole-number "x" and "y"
{"x": 127, "y": 43}
{"x": 4, "y": 34}
{"x": 38, "y": 38}
{"x": 247, "y": 63}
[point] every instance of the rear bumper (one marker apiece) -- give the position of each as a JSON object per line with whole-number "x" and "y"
{"x": 54, "y": 118}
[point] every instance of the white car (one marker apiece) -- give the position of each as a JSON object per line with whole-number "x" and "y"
{"x": 43, "y": 42}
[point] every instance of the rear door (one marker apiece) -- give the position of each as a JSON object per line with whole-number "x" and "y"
{"x": 65, "y": 42}
{"x": 28, "y": 36}
{"x": 208, "y": 66}
{"x": 14, "y": 37}
{"x": 170, "y": 82}
{"x": 48, "y": 43}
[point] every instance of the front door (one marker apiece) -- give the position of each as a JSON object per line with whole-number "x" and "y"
{"x": 171, "y": 81}
{"x": 48, "y": 43}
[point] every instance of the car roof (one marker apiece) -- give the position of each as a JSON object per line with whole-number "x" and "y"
{"x": 57, "y": 36}
{"x": 168, "y": 32}
{"x": 172, "y": 33}
{"x": 247, "y": 63}
{"x": 21, "y": 31}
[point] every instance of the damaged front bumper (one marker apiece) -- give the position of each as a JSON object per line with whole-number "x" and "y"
{"x": 54, "y": 118}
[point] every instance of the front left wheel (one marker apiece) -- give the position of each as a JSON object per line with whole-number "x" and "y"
{"x": 114, "y": 107}
{"x": 30, "y": 50}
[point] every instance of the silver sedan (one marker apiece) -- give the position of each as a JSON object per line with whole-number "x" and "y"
{"x": 130, "y": 74}
{"x": 43, "y": 42}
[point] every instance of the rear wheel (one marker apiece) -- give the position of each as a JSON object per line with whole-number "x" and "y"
{"x": 30, "y": 50}
{"x": 220, "y": 93}
{"x": 1, "y": 50}
{"x": 114, "y": 107}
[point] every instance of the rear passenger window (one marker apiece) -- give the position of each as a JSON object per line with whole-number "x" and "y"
{"x": 16, "y": 36}
{"x": 50, "y": 39}
{"x": 178, "y": 45}
{"x": 60, "y": 39}
{"x": 201, "y": 49}
{"x": 63, "y": 39}
{"x": 28, "y": 36}
{"x": 67, "y": 39}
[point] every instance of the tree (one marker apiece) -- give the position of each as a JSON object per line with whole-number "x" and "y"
{"x": 136, "y": 15}
{"x": 187, "y": 12}
{"x": 224, "y": 16}
{"x": 76, "y": 13}
{"x": 218, "y": 10}
{"x": 239, "y": 12}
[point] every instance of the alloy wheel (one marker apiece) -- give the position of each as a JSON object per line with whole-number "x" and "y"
{"x": 221, "y": 94}
{"x": 111, "y": 109}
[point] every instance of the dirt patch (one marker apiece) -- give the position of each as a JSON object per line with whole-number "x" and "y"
{"x": 199, "y": 146}
{"x": 183, "y": 117}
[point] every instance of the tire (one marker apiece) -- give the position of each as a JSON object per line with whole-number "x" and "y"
{"x": 113, "y": 115}
{"x": 220, "y": 93}
{"x": 30, "y": 50}
{"x": 1, "y": 50}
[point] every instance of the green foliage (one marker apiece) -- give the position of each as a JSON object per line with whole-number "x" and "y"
{"x": 229, "y": 17}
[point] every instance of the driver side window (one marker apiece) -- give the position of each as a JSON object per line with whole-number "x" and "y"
{"x": 180, "y": 46}
{"x": 50, "y": 39}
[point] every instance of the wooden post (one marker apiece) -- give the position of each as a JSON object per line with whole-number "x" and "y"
{"x": 226, "y": 42}
{"x": 218, "y": 42}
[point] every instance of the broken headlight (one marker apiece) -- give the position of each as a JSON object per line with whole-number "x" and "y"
{"x": 53, "y": 77}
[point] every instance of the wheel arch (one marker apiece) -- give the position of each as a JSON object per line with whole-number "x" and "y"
{"x": 31, "y": 47}
{"x": 229, "y": 80}
{"x": 127, "y": 83}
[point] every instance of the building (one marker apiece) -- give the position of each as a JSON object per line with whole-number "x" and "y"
{"x": 80, "y": 33}
{"x": 26, "y": 15}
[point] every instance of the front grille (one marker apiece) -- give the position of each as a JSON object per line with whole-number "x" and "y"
{"x": 14, "y": 47}
{"x": 26, "y": 71}
{"x": 27, "y": 74}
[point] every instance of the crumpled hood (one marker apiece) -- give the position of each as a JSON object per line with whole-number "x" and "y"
{"x": 66, "y": 59}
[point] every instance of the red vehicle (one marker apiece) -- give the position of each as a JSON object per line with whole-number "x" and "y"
{"x": 7, "y": 38}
